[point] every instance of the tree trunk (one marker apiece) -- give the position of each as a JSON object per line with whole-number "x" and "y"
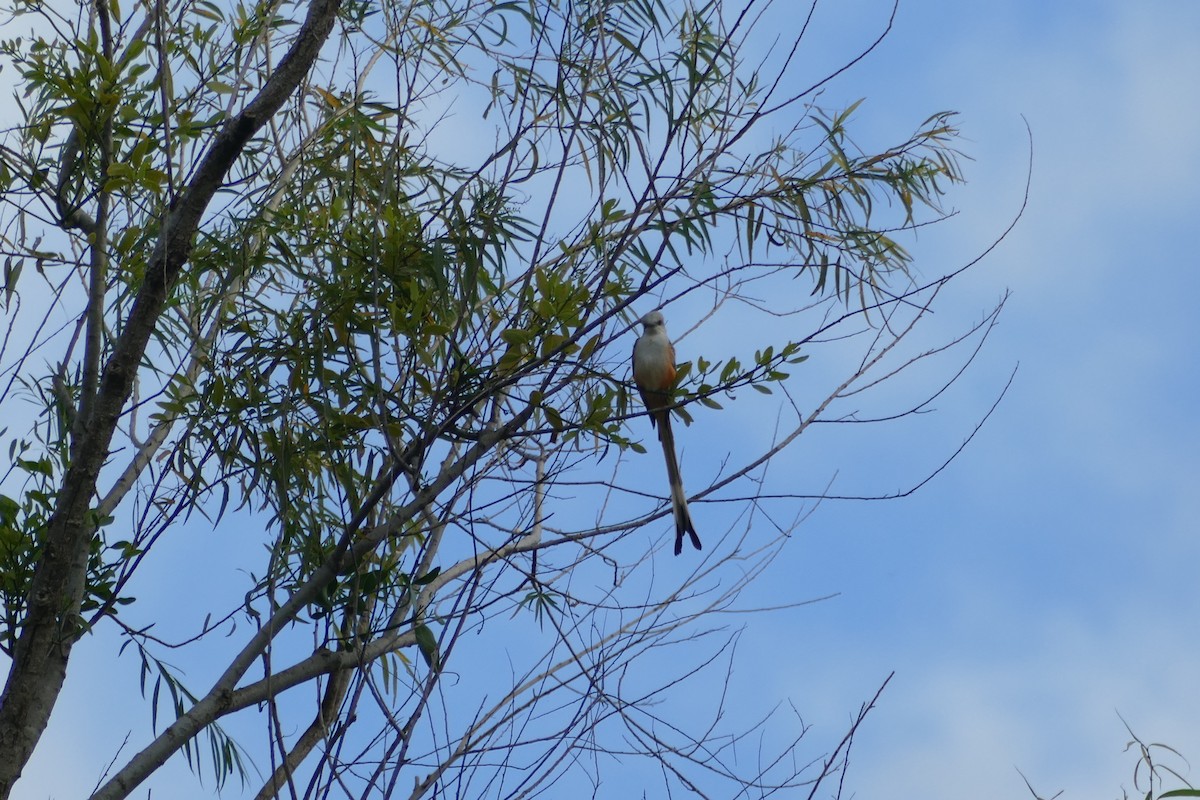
{"x": 52, "y": 623}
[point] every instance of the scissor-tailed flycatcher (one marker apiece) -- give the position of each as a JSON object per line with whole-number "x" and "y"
{"x": 654, "y": 374}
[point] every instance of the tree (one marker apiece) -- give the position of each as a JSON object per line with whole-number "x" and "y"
{"x": 364, "y": 274}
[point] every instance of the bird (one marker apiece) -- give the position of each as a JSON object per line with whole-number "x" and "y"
{"x": 654, "y": 374}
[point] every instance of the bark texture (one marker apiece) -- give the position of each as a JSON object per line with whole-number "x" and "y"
{"x": 52, "y": 623}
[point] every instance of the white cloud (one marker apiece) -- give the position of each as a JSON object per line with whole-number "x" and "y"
{"x": 959, "y": 728}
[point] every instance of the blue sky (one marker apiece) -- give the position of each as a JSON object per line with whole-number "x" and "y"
{"x": 1047, "y": 580}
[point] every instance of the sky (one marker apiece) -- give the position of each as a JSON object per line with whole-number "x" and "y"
{"x": 1045, "y": 583}
{"x": 1043, "y": 588}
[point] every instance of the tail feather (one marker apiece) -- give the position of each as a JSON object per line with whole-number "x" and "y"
{"x": 679, "y": 507}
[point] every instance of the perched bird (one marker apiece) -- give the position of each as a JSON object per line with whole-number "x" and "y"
{"x": 654, "y": 374}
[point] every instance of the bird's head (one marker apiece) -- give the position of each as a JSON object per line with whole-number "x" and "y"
{"x": 653, "y": 320}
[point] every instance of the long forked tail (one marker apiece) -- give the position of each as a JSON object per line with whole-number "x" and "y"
{"x": 683, "y": 519}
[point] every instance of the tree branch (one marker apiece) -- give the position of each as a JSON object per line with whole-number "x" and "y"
{"x": 50, "y": 626}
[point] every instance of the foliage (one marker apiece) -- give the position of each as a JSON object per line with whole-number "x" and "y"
{"x": 378, "y": 303}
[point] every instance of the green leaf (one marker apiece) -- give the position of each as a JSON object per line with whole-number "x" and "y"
{"x": 516, "y": 336}
{"x": 12, "y": 271}
{"x": 427, "y": 642}
{"x": 429, "y": 577}
{"x": 589, "y": 347}
{"x": 551, "y": 342}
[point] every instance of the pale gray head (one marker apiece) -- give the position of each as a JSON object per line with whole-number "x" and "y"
{"x": 653, "y": 320}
